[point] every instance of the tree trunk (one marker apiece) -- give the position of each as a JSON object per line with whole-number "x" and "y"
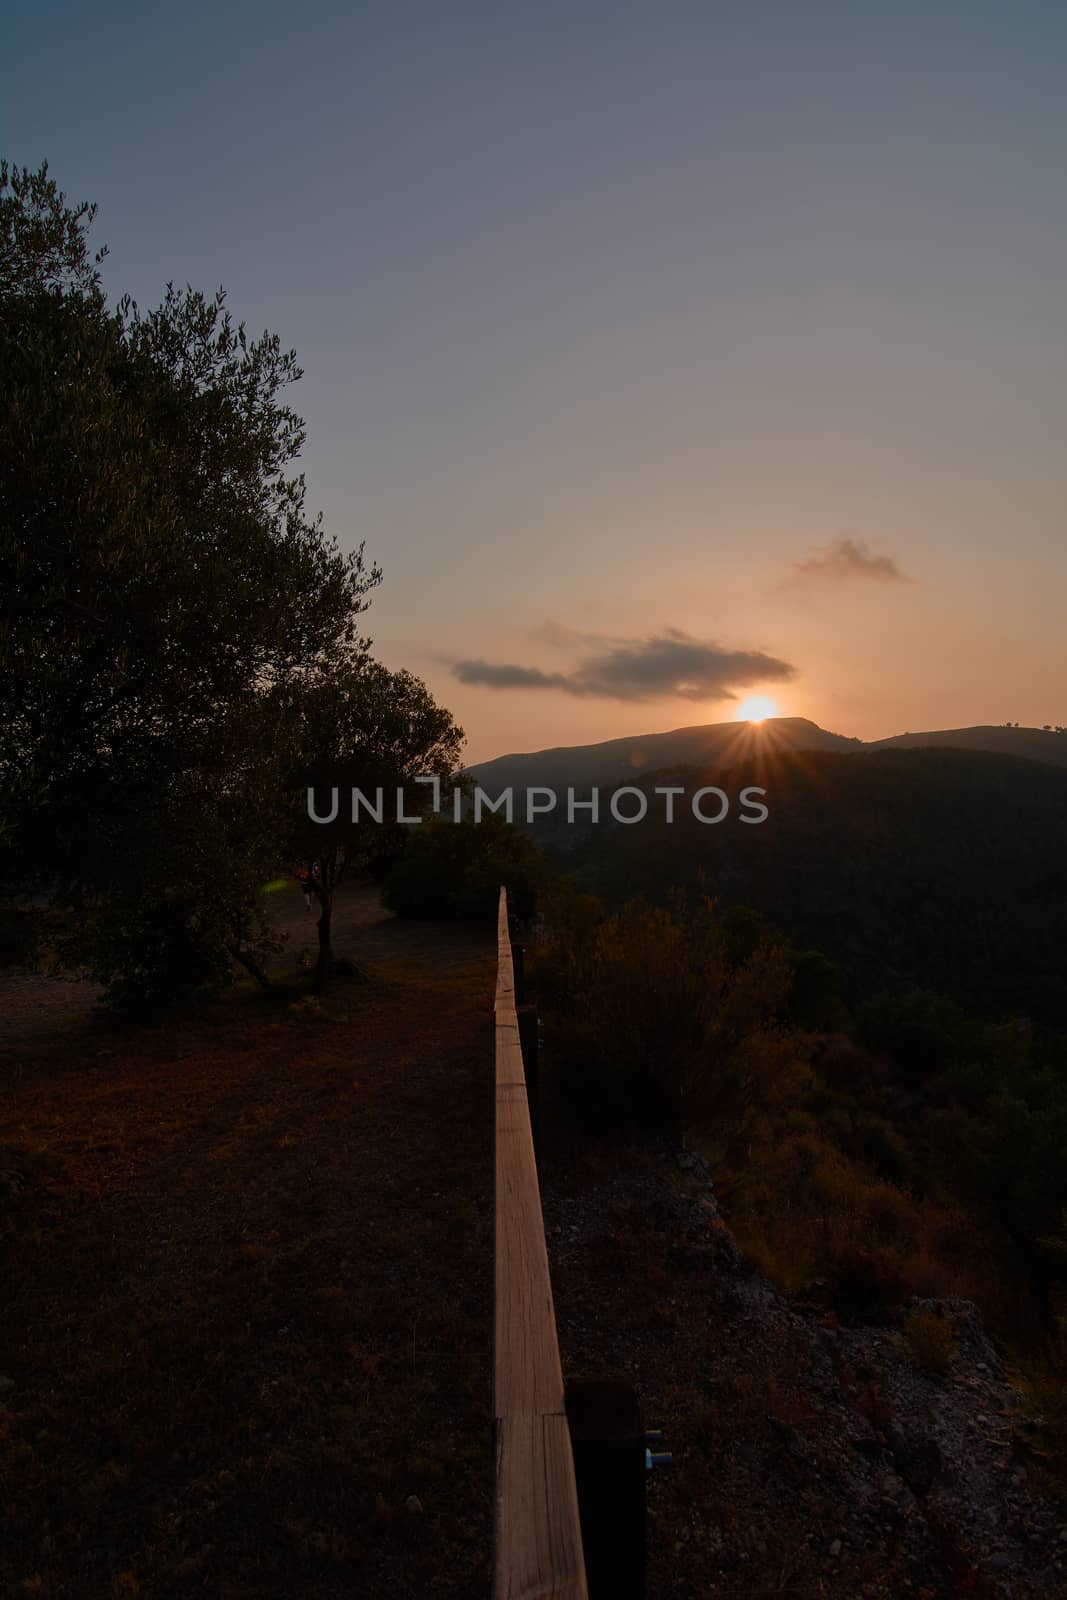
{"x": 324, "y": 965}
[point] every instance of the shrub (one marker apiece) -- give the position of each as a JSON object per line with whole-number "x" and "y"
{"x": 453, "y": 871}
{"x": 866, "y": 1284}
{"x": 156, "y": 957}
{"x": 562, "y": 947}
{"x": 19, "y": 936}
{"x": 670, "y": 1023}
{"x": 928, "y": 1339}
{"x": 635, "y": 1024}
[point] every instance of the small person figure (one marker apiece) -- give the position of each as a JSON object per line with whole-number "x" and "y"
{"x": 306, "y": 879}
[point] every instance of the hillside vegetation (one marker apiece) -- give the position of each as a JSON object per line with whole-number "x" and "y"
{"x": 932, "y": 869}
{"x": 876, "y": 1149}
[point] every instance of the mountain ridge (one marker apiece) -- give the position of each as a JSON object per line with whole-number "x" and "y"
{"x": 726, "y": 743}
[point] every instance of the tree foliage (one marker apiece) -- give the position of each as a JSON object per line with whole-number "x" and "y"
{"x": 928, "y": 868}
{"x": 163, "y": 584}
{"x": 161, "y": 569}
{"x": 453, "y": 871}
{"x": 360, "y": 727}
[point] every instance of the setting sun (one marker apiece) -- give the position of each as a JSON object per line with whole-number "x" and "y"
{"x": 756, "y": 708}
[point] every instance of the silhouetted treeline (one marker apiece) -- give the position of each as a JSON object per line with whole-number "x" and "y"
{"x": 932, "y": 869}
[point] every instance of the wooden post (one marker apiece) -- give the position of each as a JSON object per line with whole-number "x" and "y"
{"x": 538, "y": 1553}
{"x": 609, "y": 1464}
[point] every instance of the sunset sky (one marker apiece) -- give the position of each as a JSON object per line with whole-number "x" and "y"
{"x": 663, "y": 354}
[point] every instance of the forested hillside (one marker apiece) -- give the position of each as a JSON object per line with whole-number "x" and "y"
{"x": 937, "y": 869}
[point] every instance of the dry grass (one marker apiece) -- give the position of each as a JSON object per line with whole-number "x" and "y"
{"x": 805, "y": 1210}
{"x": 928, "y": 1340}
{"x": 248, "y": 1279}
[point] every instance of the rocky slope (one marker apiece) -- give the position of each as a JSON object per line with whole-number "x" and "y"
{"x": 808, "y": 1457}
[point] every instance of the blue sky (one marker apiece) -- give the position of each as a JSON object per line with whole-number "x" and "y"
{"x": 611, "y": 315}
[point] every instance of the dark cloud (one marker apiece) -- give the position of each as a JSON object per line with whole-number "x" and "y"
{"x": 850, "y": 558}
{"x": 669, "y": 665}
{"x": 507, "y": 677}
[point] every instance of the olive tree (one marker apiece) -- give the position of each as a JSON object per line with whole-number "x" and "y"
{"x": 361, "y": 727}
{"x": 161, "y": 581}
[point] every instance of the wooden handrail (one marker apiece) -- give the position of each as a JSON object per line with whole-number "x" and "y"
{"x": 538, "y": 1532}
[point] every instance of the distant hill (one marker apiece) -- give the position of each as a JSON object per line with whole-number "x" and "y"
{"x": 724, "y": 744}
{"x": 624, "y": 760}
{"x": 1033, "y": 743}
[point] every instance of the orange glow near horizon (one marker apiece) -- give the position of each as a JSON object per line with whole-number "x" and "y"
{"x": 756, "y": 708}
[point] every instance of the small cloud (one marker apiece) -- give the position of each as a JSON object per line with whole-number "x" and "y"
{"x": 505, "y": 676}
{"x": 850, "y": 558}
{"x": 669, "y": 665}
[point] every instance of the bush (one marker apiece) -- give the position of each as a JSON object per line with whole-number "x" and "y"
{"x": 453, "y": 871}
{"x": 154, "y": 958}
{"x": 560, "y": 953}
{"x": 867, "y": 1285}
{"x": 635, "y": 1027}
{"x": 669, "y": 1022}
{"x": 928, "y": 1339}
{"x": 19, "y": 936}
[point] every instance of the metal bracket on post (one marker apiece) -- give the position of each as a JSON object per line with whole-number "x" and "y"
{"x": 610, "y": 1464}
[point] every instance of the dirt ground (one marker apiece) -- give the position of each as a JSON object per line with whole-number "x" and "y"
{"x": 245, "y": 1347}
{"x": 247, "y": 1268}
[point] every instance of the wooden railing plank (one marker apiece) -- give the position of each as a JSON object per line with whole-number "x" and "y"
{"x": 510, "y": 1072}
{"x": 539, "y": 1546}
{"x": 527, "y": 1365}
{"x": 538, "y": 1531}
